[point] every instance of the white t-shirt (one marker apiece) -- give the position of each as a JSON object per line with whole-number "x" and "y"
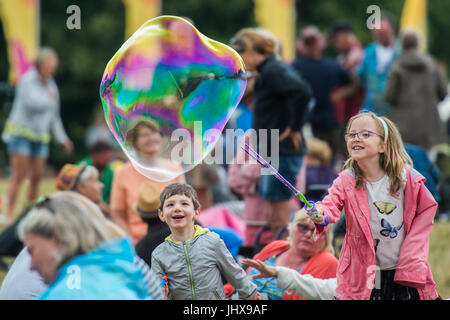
{"x": 384, "y": 57}
{"x": 386, "y": 221}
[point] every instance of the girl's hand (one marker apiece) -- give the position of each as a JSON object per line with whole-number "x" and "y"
{"x": 314, "y": 213}
{"x": 265, "y": 270}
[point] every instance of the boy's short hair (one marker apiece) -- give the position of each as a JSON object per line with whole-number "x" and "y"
{"x": 181, "y": 189}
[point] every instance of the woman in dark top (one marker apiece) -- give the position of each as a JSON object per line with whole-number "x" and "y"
{"x": 279, "y": 103}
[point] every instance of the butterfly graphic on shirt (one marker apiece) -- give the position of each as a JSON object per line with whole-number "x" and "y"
{"x": 389, "y": 231}
{"x": 384, "y": 207}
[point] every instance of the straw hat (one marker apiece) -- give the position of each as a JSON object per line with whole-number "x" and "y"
{"x": 69, "y": 176}
{"x": 148, "y": 201}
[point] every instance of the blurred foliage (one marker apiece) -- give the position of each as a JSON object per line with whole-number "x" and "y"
{"x": 84, "y": 53}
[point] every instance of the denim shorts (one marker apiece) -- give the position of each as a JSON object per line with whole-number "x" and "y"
{"x": 26, "y": 147}
{"x": 271, "y": 189}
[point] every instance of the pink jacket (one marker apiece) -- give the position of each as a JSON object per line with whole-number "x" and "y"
{"x": 356, "y": 269}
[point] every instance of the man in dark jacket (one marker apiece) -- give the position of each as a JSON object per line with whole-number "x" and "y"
{"x": 324, "y": 75}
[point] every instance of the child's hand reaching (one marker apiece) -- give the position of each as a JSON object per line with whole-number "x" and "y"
{"x": 265, "y": 270}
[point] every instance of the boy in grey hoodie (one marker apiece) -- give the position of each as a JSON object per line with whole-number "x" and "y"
{"x": 192, "y": 257}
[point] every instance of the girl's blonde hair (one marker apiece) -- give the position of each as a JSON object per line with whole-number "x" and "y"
{"x": 392, "y": 161}
{"x": 74, "y": 221}
{"x": 301, "y": 216}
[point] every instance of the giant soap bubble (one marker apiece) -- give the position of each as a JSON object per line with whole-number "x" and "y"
{"x": 167, "y": 94}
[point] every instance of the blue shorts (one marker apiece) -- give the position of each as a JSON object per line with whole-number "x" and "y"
{"x": 25, "y": 147}
{"x": 271, "y": 189}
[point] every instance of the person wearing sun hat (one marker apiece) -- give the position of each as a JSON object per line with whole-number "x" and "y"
{"x": 83, "y": 179}
{"x": 69, "y": 176}
{"x": 147, "y": 206}
{"x": 148, "y": 201}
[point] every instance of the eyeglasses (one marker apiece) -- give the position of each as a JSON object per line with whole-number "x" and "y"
{"x": 362, "y": 135}
{"x": 302, "y": 228}
{"x": 44, "y": 202}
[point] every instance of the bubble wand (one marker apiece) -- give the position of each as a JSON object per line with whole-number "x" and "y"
{"x": 310, "y": 207}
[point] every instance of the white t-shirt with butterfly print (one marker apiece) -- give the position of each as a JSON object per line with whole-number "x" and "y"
{"x": 386, "y": 221}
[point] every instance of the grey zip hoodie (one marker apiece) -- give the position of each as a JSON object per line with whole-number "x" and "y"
{"x": 193, "y": 268}
{"x": 35, "y": 111}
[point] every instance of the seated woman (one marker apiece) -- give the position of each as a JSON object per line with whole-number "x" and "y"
{"x": 300, "y": 253}
{"x": 73, "y": 246}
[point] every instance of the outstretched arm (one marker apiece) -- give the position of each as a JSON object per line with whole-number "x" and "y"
{"x": 303, "y": 285}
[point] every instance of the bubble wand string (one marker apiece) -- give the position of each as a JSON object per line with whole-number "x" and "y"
{"x": 267, "y": 165}
{"x": 277, "y": 175}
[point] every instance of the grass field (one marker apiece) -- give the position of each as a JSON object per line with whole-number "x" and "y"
{"x": 439, "y": 255}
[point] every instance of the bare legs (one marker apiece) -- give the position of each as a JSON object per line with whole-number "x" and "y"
{"x": 20, "y": 164}
{"x": 37, "y": 167}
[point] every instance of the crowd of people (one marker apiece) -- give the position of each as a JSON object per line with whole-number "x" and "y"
{"x": 112, "y": 233}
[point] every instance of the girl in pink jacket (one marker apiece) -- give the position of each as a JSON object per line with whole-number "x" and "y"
{"x": 389, "y": 216}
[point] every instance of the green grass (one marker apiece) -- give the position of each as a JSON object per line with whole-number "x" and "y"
{"x": 439, "y": 255}
{"x": 47, "y": 186}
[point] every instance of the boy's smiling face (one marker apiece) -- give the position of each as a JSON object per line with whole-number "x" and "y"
{"x": 178, "y": 212}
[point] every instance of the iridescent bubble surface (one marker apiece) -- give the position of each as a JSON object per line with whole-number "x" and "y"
{"x": 167, "y": 95}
